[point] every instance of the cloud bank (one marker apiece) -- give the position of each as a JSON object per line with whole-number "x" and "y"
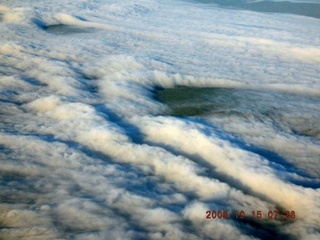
{"x": 88, "y": 151}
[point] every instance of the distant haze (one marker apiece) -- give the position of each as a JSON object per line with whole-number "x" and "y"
{"x": 306, "y": 8}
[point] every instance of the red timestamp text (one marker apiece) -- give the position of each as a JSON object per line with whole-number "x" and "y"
{"x": 258, "y": 214}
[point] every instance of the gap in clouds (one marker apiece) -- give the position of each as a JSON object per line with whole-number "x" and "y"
{"x": 284, "y": 111}
{"x": 61, "y": 29}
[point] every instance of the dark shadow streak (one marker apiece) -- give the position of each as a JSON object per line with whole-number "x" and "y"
{"x": 265, "y": 229}
{"x": 278, "y": 163}
{"x": 130, "y": 130}
{"x": 262, "y": 230}
{"x": 147, "y": 189}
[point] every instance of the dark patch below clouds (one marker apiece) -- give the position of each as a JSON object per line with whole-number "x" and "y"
{"x": 61, "y": 29}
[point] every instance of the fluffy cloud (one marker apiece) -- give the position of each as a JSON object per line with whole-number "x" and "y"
{"x": 85, "y": 155}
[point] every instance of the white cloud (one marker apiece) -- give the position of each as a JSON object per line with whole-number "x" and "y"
{"x": 84, "y": 153}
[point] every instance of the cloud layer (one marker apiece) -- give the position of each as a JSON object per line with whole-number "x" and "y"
{"x": 88, "y": 152}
